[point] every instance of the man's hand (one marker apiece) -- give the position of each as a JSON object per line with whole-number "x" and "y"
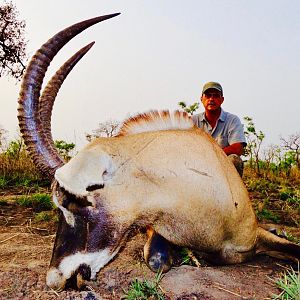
{"x": 236, "y": 148}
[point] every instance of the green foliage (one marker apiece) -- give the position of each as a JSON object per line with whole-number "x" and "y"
{"x": 14, "y": 148}
{"x": 292, "y": 145}
{"x": 43, "y": 216}
{"x": 3, "y": 182}
{"x": 64, "y": 148}
{"x": 185, "y": 257}
{"x": 292, "y": 238}
{"x": 266, "y": 214}
{"x": 143, "y": 290}
{"x": 261, "y": 185}
{"x": 38, "y": 201}
{"x": 254, "y": 142}
{"x": 17, "y": 168}
{"x": 189, "y": 109}
{"x": 290, "y": 285}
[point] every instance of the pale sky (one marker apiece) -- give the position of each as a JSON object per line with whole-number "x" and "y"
{"x": 157, "y": 53}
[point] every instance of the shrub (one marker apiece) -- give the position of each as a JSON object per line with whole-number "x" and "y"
{"x": 38, "y": 202}
{"x": 143, "y": 290}
{"x": 43, "y": 216}
{"x": 266, "y": 214}
{"x": 17, "y": 169}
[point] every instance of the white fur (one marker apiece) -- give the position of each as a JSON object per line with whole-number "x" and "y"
{"x": 94, "y": 167}
{"x": 95, "y": 260}
{"x": 69, "y": 217}
{"x": 56, "y": 277}
{"x": 157, "y": 121}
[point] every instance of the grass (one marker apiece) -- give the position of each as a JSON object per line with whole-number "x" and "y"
{"x": 275, "y": 199}
{"x": 266, "y": 214}
{"x": 289, "y": 285}
{"x": 43, "y": 216}
{"x": 38, "y": 202}
{"x": 19, "y": 171}
{"x": 146, "y": 289}
{"x": 186, "y": 257}
{"x": 292, "y": 238}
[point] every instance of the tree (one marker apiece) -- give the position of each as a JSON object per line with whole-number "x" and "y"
{"x": 3, "y": 138}
{"x": 15, "y": 148}
{"x": 105, "y": 129}
{"x": 189, "y": 109}
{"x": 254, "y": 141}
{"x": 64, "y": 149}
{"x": 292, "y": 144}
{"x": 12, "y": 42}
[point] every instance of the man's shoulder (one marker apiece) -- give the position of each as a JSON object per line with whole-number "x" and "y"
{"x": 230, "y": 117}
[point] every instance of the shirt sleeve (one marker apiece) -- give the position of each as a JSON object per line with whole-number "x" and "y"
{"x": 236, "y": 132}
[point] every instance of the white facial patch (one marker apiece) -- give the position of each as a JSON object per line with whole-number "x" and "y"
{"x": 89, "y": 167}
{"x": 69, "y": 217}
{"x": 95, "y": 260}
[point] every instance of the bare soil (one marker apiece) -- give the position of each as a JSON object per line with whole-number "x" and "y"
{"x": 25, "y": 252}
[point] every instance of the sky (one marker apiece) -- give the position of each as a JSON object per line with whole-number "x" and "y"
{"x": 157, "y": 53}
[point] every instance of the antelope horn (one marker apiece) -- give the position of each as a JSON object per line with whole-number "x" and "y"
{"x": 48, "y": 96}
{"x": 38, "y": 143}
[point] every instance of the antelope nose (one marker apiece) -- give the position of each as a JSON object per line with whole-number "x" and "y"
{"x": 55, "y": 279}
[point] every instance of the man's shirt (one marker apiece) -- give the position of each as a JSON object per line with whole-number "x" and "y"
{"x": 228, "y": 129}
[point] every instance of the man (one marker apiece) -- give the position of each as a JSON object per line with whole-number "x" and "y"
{"x": 224, "y": 127}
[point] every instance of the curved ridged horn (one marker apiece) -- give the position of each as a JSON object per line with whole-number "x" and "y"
{"x": 51, "y": 90}
{"x": 31, "y": 126}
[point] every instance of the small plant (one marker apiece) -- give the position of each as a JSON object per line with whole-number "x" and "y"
{"x": 143, "y": 290}
{"x": 188, "y": 258}
{"x": 43, "y": 216}
{"x": 185, "y": 257}
{"x": 266, "y": 214}
{"x": 290, "y": 285}
{"x": 292, "y": 238}
{"x": 3, "y": 182}
{"x": 261, "y": 185}
{"x": 286, "y": 194}
{"x": 38, "y": 201}
{"x": 189, "y": 109}
{"x": 64, "y": 149}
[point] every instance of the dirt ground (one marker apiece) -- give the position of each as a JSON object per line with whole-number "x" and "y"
{"x": 25, "y": 251}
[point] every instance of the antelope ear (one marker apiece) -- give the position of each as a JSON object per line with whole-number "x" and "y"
{"x": 85, "y": 172}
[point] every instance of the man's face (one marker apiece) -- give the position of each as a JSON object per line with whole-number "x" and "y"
{"x": 212, "y": 99}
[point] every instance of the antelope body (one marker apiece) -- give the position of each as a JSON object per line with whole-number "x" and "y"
{"x": 160, "y": 172}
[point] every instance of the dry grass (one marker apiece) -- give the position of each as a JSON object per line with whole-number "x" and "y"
{"x": 18, "y": 170}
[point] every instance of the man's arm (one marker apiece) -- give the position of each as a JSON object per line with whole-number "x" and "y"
{"x": 236, "y": 148}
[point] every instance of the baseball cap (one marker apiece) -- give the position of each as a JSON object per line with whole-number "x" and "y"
{"x": 212, "y": 85}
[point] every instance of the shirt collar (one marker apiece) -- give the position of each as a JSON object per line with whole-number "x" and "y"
{"x": 222, "y": 117}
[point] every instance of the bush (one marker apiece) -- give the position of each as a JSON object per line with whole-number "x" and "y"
{"x": 266, "y": 214}
{"x": 43, "y": 216}
{"x": 18, "y": 170}
{"x": 38, "y": 202}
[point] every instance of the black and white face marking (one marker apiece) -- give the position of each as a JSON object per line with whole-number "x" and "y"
{"x": 84, "y": 245}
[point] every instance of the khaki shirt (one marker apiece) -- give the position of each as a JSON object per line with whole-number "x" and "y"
{"x": 228, "y": 129}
